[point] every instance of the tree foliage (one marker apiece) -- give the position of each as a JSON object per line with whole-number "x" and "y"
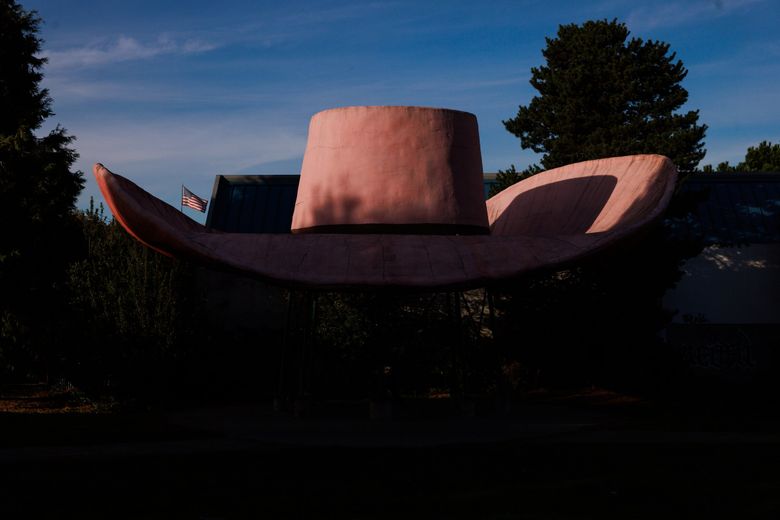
{"x": 23, "y": 103}
{"x": 123, "y": 295}
{"x": 38, "y": 191}
{"x": 601, "y": 94}
{"x": 764, "y": 157}
{"x": 604, "y": 95}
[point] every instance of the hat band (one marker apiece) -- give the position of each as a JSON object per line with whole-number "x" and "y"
{"x": 397, "y": 229}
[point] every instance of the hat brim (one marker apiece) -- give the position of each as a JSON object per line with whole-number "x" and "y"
{"x": 549, "y": 220}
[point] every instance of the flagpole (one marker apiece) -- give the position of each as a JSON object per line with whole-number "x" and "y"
{"x": 181, "y": 199}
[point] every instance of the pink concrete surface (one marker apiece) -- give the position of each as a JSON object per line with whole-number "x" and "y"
{"x": 604, "y": 196}
{"x": 411, "y": 169}
{"x": 549, "y": 220}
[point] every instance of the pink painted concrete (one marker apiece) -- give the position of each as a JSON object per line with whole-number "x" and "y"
{"x": 149, "y": 220}
{"x": 403, "y": 168}
{"x": 549, "y": 220}
{"x": 601, "y": 196}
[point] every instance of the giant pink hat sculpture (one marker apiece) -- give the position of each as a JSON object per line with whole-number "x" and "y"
{"x": 392, "y": 197}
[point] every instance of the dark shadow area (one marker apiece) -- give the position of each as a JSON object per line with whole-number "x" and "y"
{"x": 333, "y": 209}
{"x": 536, "y": 478}
{"x": 381, "y": 347}
{"x": 337, "y": 214}
{"x": 602, "y": 322}
{"x": 144, "y": 332}
{"x": 564, "y": 207}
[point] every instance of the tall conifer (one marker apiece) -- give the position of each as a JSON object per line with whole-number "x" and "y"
{"x": 602, "y": 94}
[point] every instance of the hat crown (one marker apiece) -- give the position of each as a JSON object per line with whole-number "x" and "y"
{"x": 391, "y": 169}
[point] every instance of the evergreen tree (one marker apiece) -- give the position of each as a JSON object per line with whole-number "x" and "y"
{"x": 38, "y": 190}
{"x": 603, "y": 95}
{"x": 764, "y": 157}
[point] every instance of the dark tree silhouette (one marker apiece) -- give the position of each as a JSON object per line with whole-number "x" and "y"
{"x": 38, "y": 189}
{"x": 765, "y": 157}
{"x": 603, "y": 95}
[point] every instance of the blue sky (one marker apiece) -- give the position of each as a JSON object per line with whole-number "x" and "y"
{"x": 176, "y": 92}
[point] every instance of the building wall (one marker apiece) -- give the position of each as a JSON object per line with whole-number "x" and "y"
{"x": 733, "y": 285}
{"x": 727, "y": 324}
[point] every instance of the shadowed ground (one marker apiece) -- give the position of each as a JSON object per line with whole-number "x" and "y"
{"x": 574, "y": 455}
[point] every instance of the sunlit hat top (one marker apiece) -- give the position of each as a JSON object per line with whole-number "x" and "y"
{"x": 392, "y": 169}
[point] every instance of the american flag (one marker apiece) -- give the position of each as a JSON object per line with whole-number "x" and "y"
{"x": 191, "y": 200}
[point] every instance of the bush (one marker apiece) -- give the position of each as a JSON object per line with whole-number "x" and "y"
{"x": 131, "y": 313}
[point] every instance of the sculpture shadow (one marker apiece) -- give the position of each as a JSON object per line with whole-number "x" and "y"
{"x": 333, "y": 210}
{"x": 565, "y": 207}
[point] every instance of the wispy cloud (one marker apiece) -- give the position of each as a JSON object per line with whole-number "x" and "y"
{"x": 280, "y": 26}
{"x": 72, "y": 89}
{"x": 160, "y": 155}
{"x": 683, "y": 12}
{"x": 122, "y": 49}
{"x": 223, "y": 142}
